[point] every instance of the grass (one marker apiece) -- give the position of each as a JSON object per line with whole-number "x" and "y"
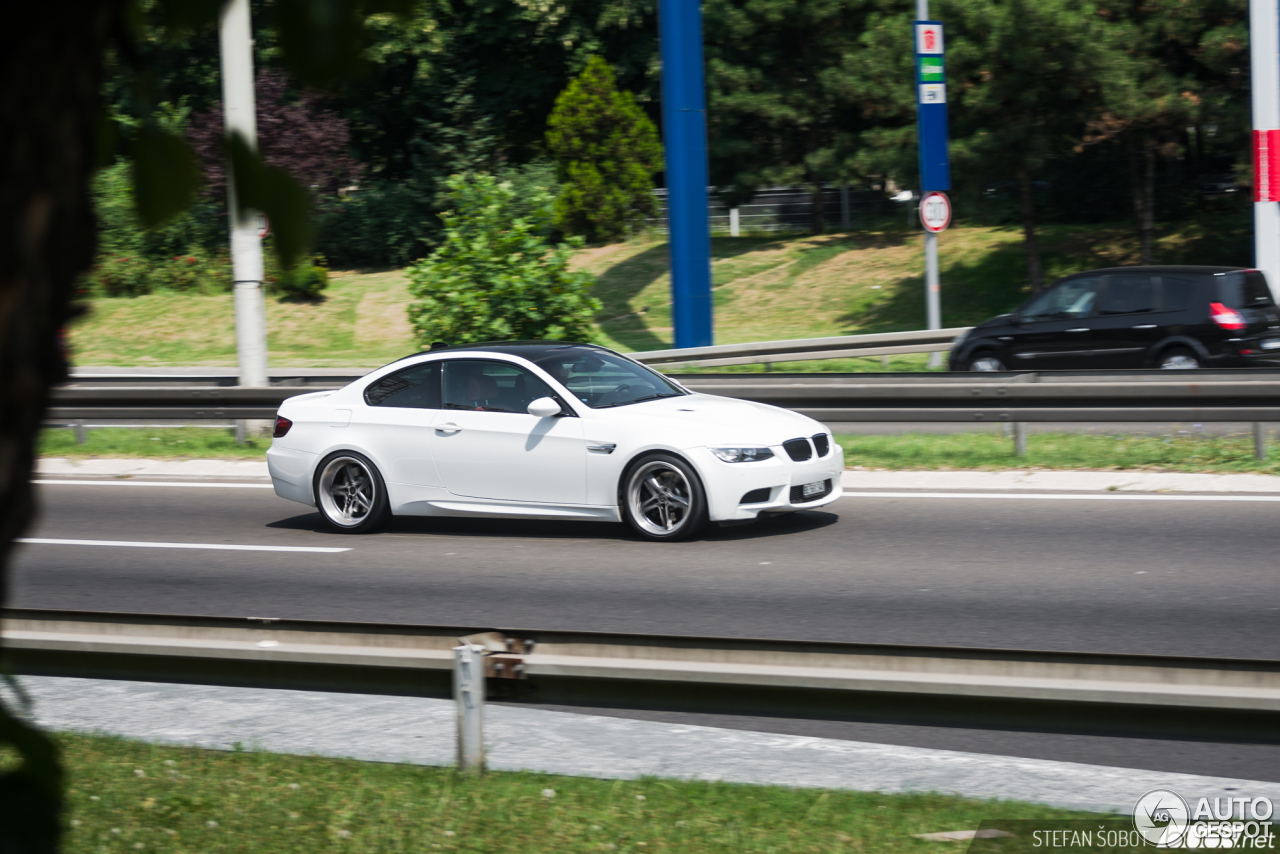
{"x": 765, "y": 287}
{"x": 918, "y": 451}
{"x": 1186, "y": 452}
{"x": 128, "y": 796}
{"x": 163, "y": 442}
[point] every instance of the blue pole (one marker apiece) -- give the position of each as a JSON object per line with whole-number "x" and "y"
{"x": 684, "y": 128}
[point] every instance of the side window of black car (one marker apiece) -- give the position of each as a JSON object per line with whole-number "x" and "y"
{"x": 1128, "y": 294}
{"x": 1066, "y": 300}
{"x": 413, "y": 388}
{"x": 1177, "y": 294}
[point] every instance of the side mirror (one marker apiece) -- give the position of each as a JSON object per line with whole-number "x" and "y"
{"x": 544, "y": 407}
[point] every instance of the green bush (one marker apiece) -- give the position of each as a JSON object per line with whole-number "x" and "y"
{"x": 607, "y": 152}
{"x": 495, "y": 275}
{"x": 304, "y": 282}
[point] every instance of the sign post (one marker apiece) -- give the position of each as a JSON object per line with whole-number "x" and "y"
{"x": 931, "y": 135}
{"x": 1264, "y": 49}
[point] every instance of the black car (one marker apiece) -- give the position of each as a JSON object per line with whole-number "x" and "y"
{"x": 1132, "y": 317}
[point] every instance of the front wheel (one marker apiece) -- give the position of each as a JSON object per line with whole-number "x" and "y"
{"x": 350, "y": 493}
{"x": 663, "y": 499}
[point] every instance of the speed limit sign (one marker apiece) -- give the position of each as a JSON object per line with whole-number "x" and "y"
{"x": 935, "y": 212}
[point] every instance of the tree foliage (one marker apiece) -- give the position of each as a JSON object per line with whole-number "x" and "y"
{"x": 495, "y": 275}
{"x": 607, "y": 151}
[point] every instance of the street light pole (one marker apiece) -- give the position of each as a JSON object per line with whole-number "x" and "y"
{"x": 1264, "y": 54}
{"x": 236, "y": 42}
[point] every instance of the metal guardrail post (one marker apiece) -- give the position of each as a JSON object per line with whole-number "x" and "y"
{"x": 1260, "y": 440}
{"x": 468, "y": 693}
{"x": 81, "y": 436}
{"x": 1019, "y": 439}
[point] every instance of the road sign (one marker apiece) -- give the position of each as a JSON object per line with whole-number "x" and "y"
{"x": 931, "y": 106}
{"x": 935, "y": 212}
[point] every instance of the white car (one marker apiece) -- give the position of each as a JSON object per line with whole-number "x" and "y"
{"x": 545, "y": 430}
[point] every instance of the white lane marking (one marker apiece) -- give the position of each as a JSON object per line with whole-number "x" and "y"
{"x": 150, "y": 483}
{"x": 1060, "y": 496}
{"x": 44, "y": 541}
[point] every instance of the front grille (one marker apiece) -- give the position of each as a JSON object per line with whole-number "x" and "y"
{"x": 798, "y": 449}
{"x": 821, "y": 444}
{"x": 798, "y": 496}
{"x": 756, "y": 496}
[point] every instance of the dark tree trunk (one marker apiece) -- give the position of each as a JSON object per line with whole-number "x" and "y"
{"x": 1148, "y": 226}
{"x": 1029, "y": 228}
{"x": 1142, "y": 187}
{"x": 819, "y": 213}
{"x": 50, "y": 109}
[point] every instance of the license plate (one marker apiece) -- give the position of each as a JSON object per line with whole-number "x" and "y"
{"x": 1271, "y": 344}
{"x": 813, "y": 488}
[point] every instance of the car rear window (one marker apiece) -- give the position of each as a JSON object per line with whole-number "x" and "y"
{"x": 1244, "y": 290}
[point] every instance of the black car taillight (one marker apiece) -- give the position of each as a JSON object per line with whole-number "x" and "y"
{"x": 1227, "y": 318}
{"x": 282, "y": 426}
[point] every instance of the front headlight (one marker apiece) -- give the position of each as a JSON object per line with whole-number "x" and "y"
{"x": 742, "y": 455}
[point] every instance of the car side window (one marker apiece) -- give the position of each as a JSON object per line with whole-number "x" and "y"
{"x": 1128, "y": 294}
{"x": 1065, "y": 300}
{"x": 413, "y": 388}
{"x": 1177, "y": 294}
{"x": 481, "y": 385}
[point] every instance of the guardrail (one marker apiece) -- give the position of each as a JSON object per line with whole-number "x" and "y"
{"x": 1095, "y": 693}
{"x": 804, "y": 349}
{"x": 993, "y": 398}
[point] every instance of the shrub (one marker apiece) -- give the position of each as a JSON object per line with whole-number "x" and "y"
{"x": 303, "y": 283}
{"x": 607, "y": 152}
{"x": 496, "y": 275}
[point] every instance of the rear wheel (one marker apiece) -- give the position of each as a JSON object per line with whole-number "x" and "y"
{"x": 986, "y": 363}
{"x": 663, "y": 499}
{"x": 1179, "y": 359}
{"x": 350, "y": 493}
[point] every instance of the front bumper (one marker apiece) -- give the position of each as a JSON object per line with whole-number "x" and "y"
{"x": 727, "y": 484}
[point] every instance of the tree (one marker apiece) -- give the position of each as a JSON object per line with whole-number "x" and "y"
{"x": 607, "y": 151}
{"x": 1024, "y": 78}
{"x": 788, "y": 93}
{"x": 297, "y": 132}
{"x": 495, "y": 276}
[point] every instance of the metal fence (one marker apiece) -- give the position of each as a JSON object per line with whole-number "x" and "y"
{"x": 789, "y": 209}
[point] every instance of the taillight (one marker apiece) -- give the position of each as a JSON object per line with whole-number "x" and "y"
{"x": 1227, "y": 318}
{"x": 282, "y": 426}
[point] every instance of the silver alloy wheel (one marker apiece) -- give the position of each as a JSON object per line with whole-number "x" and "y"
{"x": 348, "y": 491}
{"x": 1179, "y": 362}
{"x": 986, "y": 364}
{"x": 660, "y": 498}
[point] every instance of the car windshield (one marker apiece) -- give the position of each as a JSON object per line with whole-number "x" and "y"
{"x": 601, "y": 379}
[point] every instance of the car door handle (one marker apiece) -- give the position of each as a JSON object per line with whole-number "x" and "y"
{"x": 1081, "y": 329}
{"x": 448, "y": 427}
{"x": 1146, "y": 326}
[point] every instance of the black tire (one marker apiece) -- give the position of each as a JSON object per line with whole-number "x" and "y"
{"x": 341, "y": 488}
{"x": 985, "y": 362}
{"x": 1179, "y": 359}
{"x": 662, "y": 499}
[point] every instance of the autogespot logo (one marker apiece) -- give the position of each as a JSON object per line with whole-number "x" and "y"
{"x": 1161, "y": 817}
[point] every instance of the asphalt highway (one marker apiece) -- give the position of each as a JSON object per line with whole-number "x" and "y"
{"x": 1186, "y": 577}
